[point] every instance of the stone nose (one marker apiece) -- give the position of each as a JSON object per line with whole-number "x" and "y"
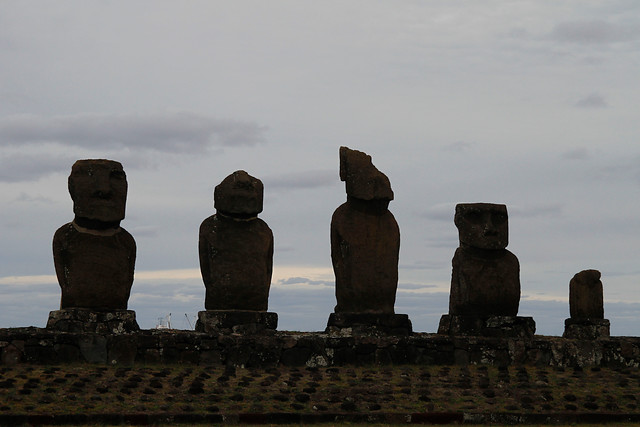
{"x": 102, "y": 187}
{"x": 489, "y": 228}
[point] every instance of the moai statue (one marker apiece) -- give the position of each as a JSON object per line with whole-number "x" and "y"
{"x": 94, "y": 257}
{"x": 586, "y": 308}
{"x": 485, "y": 281}
{"x": 365, "y": 244}
{"x": 236, "y": 259}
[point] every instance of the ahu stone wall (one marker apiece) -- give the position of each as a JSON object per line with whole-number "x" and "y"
{"x": 282, "y": 348}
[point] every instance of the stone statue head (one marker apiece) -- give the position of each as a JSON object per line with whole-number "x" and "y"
{"x": 239, "y": 195}
{"x": 482, "y": 225}
{"x": 98, "y": 189}
{"x": 363, "y": 180}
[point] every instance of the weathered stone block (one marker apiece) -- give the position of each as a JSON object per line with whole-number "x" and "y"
{"x": 492, "y": 326}
{"x": 82, "y": 320}
{"x": 93, "y": 348}
{"x": 586, "y": 329}
{"x": 122, "y": 349}
{"x": 236, "y": 321}
{"x": 296, "y": 356}
{"x": 354, "y": 324}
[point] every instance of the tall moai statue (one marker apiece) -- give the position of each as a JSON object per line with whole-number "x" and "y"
{"x": 236, "y": 259}
{"x": 586, "y": 308}
{"x": 94, "y": 257}
{"x": 365, "y": 245}
{"x": 485, "y": 281}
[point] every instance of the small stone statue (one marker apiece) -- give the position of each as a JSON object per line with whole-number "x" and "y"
{"x": 585, "y": 295}
{"x": 365, "y": 245}
{"x": 485, "y": 281}
{"x": 94, "y": 257}
{"x": 236, "y": 255}
{"x": 486, "y": 276}
{"x": 586, "y": 307}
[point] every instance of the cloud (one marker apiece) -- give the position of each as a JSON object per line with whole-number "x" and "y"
{"x": 34, "y": 143}
{"x": 593, "y": 100}
{"x": 308, "y": 179}
{"x": 593, "y": 32}
{"x": 450, "y": 241}
{"x": 533, "y": 211}
{"x": 304, "y": 281}
{"x": 27, "y": 198}
{"x": 458, "y": 146}
{"x": 440, "y": 212}
{"x": 576, "y": 154}
{"x": 145, "y": 231}
{"x": 24, "y": 167}
{"x": 414, "y": 286}
{"x": 180, "y": 132}
{"x": 426, "y": 265}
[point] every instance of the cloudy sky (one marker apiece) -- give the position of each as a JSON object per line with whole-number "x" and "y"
{"x": 533, "y": 104}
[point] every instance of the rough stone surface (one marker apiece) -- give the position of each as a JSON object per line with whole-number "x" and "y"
{"x": 362, "y": 179}
{"x": 586, "y": 329}
{"x": 493, "y": 326}
{"x": 44, "y": 346}
{"x": 365, "y": 239}
{"x": 94, "y": 257}
{"x": 485, "y": 279}
{"x": 344, "y": 324}
{"x": 586, "y": 296}
{"x": 482, "y": 225}
{"x": 236, "y": 321}
{"x": 98, "y": 189}
{"x": 82, "y": 320}
{"x": 239, "y": 194}
{"x": 236, "y": 248}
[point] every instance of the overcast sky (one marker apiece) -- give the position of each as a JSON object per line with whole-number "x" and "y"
{"x": 533, "y": 104}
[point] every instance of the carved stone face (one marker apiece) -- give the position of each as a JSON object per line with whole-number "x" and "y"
{"x": 482, "y": 225}
{"x": 363, "y": 180}
{"x": 239, "y": 194}
{"x": 98, "y": 189}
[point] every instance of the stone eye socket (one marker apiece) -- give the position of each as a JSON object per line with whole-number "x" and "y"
{"x": 474, "y": 217}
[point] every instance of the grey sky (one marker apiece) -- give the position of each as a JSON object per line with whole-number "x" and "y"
{"x": 531, "y": 103}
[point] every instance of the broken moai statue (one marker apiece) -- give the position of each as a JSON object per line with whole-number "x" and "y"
{"x": 586, "y": 308}
{"x": 485, "y": 281}
{"x": 365, "y": 244}
{"x": 236, "y": 259}
{"x": 94, "y": 257}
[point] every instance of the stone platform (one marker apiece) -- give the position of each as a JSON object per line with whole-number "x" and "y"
{"x": 311, "y": 349}
{"x": 494, "y": 326}
{"x": 236, "y": 321}
{"x": 586, "y": 329}
{"x": 102, "y": 322}
{"x": 345, "y": 324}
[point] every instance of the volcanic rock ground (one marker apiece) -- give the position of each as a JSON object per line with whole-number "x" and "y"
{"x": 375, "y": 393}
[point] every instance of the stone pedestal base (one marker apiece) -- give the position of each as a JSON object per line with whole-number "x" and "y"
{"x": 586, "y": 329}
{"x": 494, "y": 326}
{"x": 236, "y": 321}
{"x": 345, "y": 324}
{"x": 102, "y": 322}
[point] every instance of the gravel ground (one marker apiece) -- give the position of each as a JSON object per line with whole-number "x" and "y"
{"x": 375, "y": 393}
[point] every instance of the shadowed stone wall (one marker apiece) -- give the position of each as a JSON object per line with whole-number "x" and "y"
{"x": 41, "y": 346}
